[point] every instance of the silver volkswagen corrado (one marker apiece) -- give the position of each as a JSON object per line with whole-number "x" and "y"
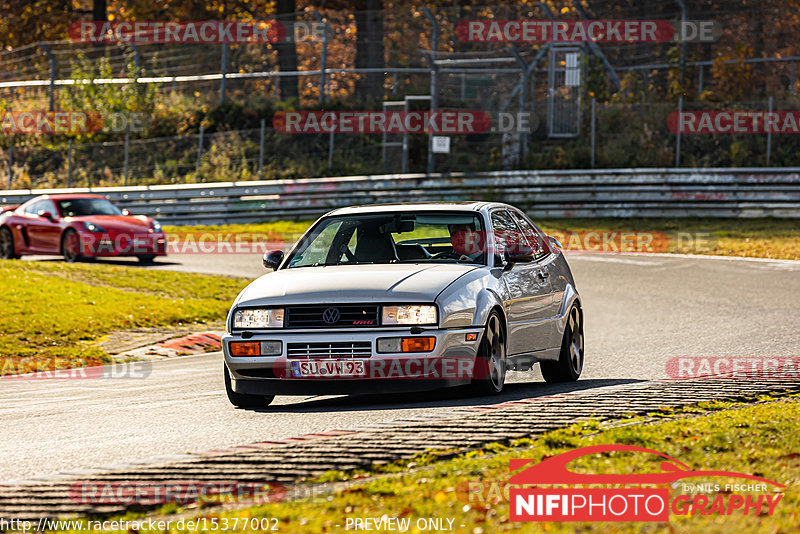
{"x": 405, "y": 297}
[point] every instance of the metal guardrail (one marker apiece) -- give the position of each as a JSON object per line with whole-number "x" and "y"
{"x": 742, "y": 192}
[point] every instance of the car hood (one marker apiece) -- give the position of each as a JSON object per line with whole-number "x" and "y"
{"x": 117, "y": 223}
{"x": 352, "y": 283}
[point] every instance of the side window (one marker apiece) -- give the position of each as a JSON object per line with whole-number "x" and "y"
{"x": 317, "y": 251}
{"x": 534, "y": 237}
{"x": 34, "y": 208}
{"x": 46, "y": 205}
{"x": 351, "y": 245}
{"x": 507, "y": 235}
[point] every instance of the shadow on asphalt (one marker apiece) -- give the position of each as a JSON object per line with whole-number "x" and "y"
{"x": 456, "y": 397}
{"x": 126, "y": 261}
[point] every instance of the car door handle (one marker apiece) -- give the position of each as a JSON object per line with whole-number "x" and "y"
{"x": 543, "y": 274}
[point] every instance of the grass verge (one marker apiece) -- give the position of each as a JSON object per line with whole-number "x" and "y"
{"x": 57, "y": 310}
{"x": 761, "y": 439}
{"x": 754, "y": 238}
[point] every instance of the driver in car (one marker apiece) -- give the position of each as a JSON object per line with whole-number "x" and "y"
{"x": 467, "y": 241}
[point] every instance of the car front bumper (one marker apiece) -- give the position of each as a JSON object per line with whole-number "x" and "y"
{"x": 450, "y": 363}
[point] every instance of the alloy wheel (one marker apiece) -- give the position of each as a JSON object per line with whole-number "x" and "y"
{"x": 576, "y": 341}
{"x": 496, "y": 347}
{"x": 70, "y": 249}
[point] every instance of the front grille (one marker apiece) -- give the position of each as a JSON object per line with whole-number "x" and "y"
{"x": 332, "y": 316}
{"x": 344, "y": 349}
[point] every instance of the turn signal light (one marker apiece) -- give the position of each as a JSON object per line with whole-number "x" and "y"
{"x": 418, "y": 344}
{"x": 245, "y": 348}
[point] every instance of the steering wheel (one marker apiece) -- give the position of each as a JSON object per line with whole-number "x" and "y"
{"x": 451, "y": 254}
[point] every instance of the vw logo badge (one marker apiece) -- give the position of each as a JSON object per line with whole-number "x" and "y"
{"x": 331, "y": 315}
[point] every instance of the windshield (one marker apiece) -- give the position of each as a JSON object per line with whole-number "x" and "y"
{"x": 436, "y": 237}
{"x": 76, "y": 207}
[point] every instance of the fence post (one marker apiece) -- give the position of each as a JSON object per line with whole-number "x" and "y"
{"x": 52, "y": 89}
{"x": 200, "y": 147}
{"x": 223, "y": 67}
{"x": 700, "y": 83}
{"x": 678, "y": 142}
{"x": 261, "y": 150}
{"x": 684, "y": 16}
{"x": 769, "y": 134}
{"x": 10, "y": 164}
{"x": 69, "y": 163}
{"x": 522, "y": 138}
{"x": 594, "y": 127}
{"x": 137, "y": 57}
{"x": 127, "y": 152}
{"x": 434, "y": 85}
{"x": 791, "y": 78}
{"x": 323, "y": 61}
{"x": 330, "y": 150}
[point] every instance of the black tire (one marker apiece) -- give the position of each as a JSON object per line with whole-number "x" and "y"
{"x": 71, "y": 255}
{"x": 7, "y": 251}
{"x": 569, "y": 366}
{"x": 241, "y": 400}
{"x": 146, "y": 259}
{"x": 489, "y": 373}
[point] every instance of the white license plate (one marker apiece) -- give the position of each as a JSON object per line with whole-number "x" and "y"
{"x": 329, "y": 369}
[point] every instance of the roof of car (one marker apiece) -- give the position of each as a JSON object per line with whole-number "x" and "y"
{"x": 410, "y": 206}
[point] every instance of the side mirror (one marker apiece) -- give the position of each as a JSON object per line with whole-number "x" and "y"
{"x": 45, "y": 214}
{"x": 272, "y": 259}
{"x": 125, "y": 212}
{"x": 554, "y": 242}
{"x": 517, "y": 257}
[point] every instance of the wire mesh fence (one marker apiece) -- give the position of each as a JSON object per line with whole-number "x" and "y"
{"x": 747, "y": 31}
{"x": 615, "y": 135}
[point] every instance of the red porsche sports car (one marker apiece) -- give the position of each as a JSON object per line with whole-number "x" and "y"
{"x": 79, "y": 226}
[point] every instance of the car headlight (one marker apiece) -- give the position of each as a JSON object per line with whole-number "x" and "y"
{"x": 413, "y": 314}
{"x": 258, "y": 318}
{"x": 92, "y": 227}
{"x": 156, "y": 226}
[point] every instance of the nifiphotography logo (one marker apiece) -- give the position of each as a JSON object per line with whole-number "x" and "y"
{"x": 629, "y": 497}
